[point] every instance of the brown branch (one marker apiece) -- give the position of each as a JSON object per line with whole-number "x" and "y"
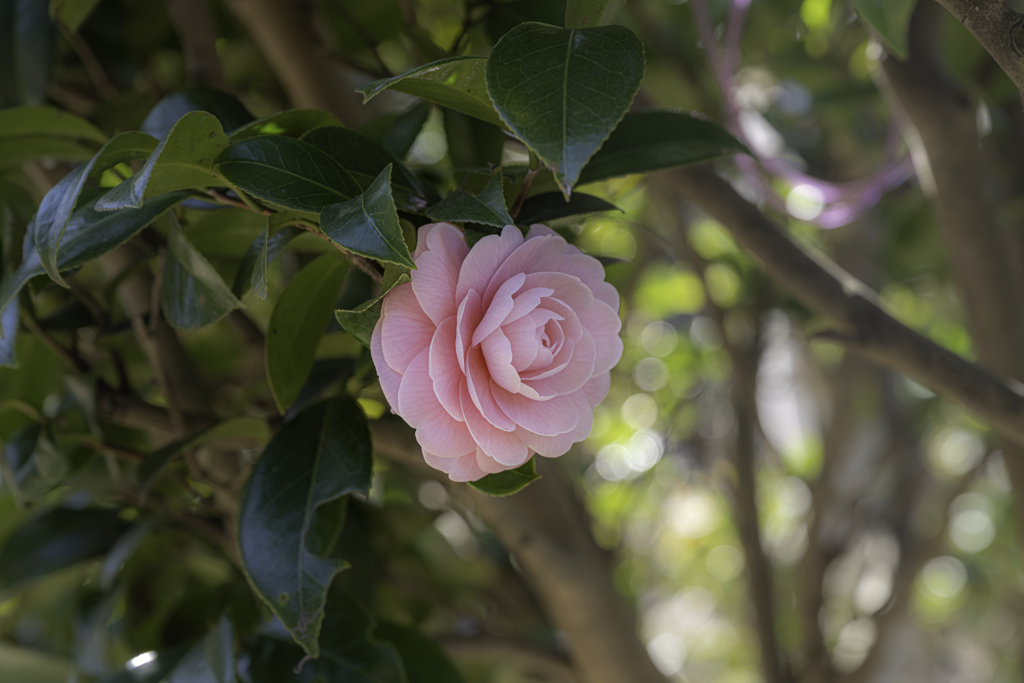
{"x": 197, "y": 31}
{"x": 528, "y": 658}
{"x": 282, "y": 30}
{"x": 986, "y": 268}
{"x": 998, "y": 28}
{"x": 545, "y": 528}
{"x": 829, "y": 291}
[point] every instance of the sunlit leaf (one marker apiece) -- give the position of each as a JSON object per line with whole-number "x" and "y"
{"x": 563, "y": 91}
{"x": 292, "y": 123}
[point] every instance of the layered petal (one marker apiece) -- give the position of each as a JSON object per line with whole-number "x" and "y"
{"x": 505, "y": 447}
{"x": 484, "y": 259}
{"x": 445, "y": 373}
{"x": 407, "y": 329}
{"x": 390, "y": 380}
{"x": 463, "y": 468}
{"x": 547, "y": 418}
{"x": 437, "y": 270}
{"x": 603, "y": 324}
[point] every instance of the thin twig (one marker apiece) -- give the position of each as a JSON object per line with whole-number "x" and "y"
{"x": 74, "y": 362}
{"x": 97, "y": 75}
{"x": 527, "y": 185}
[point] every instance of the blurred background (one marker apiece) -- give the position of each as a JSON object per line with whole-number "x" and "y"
{"x": 740, "y": 460}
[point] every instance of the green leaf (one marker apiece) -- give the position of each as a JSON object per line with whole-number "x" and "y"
{"x": 16, "y": 151}
{"x": 258, "y": 257}
{"x": 655, "y": 140}
{"x": 472, "y": 143}
{"x": 56, "y": 539}
{"x": 368, "y": 225}
{"x": 455, "y": 82}
{"x": 891, "y": 19}
{"x": 248, "y": 428}
{"x": 9, "y": 335}
{"x": 22, "y": 665}
{"x": 403, "y": 132}
{"x": 423, "y": 659}
{"x": 18, "y": 122}
{"x": 365, "y": 159}
{"x": 588, "y": 13}
{"x": 35, "y": 38}
{"x": 508, "y": 482}
{"x": 286, "y": 172}
{"x": 72, "y": 13}
{"x": 349, "y": 652}
{"x": 487, "y": 208}
{"x": 292, "y": 123}
{"x": 192, "y": 293}
{"x": 563, "y": 91}
{"x": 360, "y": 321}
{"x": 231, "y": 113}
{"x": 183, "y": 159}
{"x": 89, "y": 235}
{"x": 298, "y": 321}
{"x": 551, "y": 206}
{"x": 319, "y": 456}
{"x": 56, "y": 207}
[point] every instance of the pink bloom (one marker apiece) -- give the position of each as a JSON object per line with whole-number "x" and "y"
{"x": 497, "y": 352}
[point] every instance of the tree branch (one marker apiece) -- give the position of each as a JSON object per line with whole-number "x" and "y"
{"x": 998, "y": 28}
{"x": 829, "y": 291}
{"x": 282, "y": 30}
{"x": 545, "y": 528}
{"x": 986, "y": 270}
{"x": 197, "y": 32}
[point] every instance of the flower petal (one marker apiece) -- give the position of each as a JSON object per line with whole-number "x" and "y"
{"x": 407, "y": 330}
{"x": 390, "y": 380}
{"x": 597, "y": 388}
{"x": 444, "y": 368}
{"x": 467, "y": 320}
{"x": 540, "y": 254}
{"x": 554, "y": 446}
{"x": 437, "y": 271}
{"x": 505, "y": 447}
{"x": 603, "y": 324}
{"x": 489, "y": 464}
{"x": 522, "y": 336}
{"x": 573, "y": 376}
{"x": 497, "y": 352}
{"x": 458, "y": 469}
{"x": 590, "y": 271}
{"x": 417, "y": 403}
{"x": 547, "y": 418}
{"x": 484, "y": 259}
{"x": 499, "y": 308}
{"x": 568, "y": 289}
{"x": 478, "y": 385}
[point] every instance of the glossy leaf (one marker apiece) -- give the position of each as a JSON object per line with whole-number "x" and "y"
{"x": 19, "y": 122}
{"x": 455, "y": 82}
{"x": 297, "y": 323}
{"x": 551, "y": 206}
{"x": 405, "y": 129}
{"x": 588, "y": 13}
{"x": 72, "y": 13}
{"x": 287, "y": 172}
{"x": 651, "y": 141}
{"x": 508, "y": 482}
{"x": 365, "y": 159}
{"x": 319, "y": 456}
{"x": 359, "y": 322}
{"x": 231, "y": 113}
{"x": 368, "y": 225}
{"x": 258, "y": 257}
{"x": 423, "y": 659}
{"x": 292, "y": 123}
{"x": 56, "y": 207}
{"x": 348, "y": 650}
{"x": 192, "y": 294}
{"x": 487, "y": 207}
{"x": 891, "y": 19}
{"x": 563, "y": 91}
{"x": 183, "y": 159}
{"x": 239, "y": 428}
{"x": 55, "y": 539}
{"x": 16, "y": 151}
{"x": 89, "y": 235}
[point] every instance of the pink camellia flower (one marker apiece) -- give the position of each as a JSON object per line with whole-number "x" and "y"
{"x": 497, "y": 352}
